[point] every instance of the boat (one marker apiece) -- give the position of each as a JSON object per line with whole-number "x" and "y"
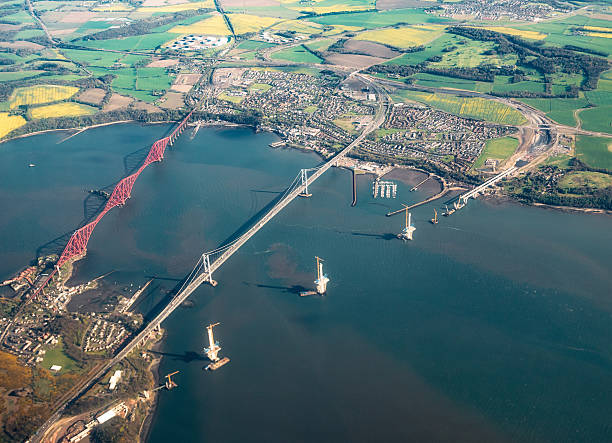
{"x": 31, "y": 165}
{"x": 307, "y": 293}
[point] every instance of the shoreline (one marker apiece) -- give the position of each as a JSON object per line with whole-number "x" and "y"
{"x": 83, "y": 129}
{"x": 147, "y": 424}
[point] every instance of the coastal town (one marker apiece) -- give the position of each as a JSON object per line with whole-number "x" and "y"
{"x": 419, "y": 107}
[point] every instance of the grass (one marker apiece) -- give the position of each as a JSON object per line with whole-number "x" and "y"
{"x": 32, "y": 95}
{"x": 259, "y": 87}
{"x": 474, "y": 107}
{"x": 245, "y": 23}
{"x": 9, "y": 123}
{"x": 370, "y": 20}
{"x": 179, "y": 7}
{"x": 597, "y": 119}
{"x": 403, "y": 37}
{"x": 61, "y": 110}
{"x": 298, "y": 54}
{"x": 471, "y": 54}
{"x": 310, "y": 109}
{"x": 137, "y": 42}
{"x": 231, "y": 98}
{"x": 578, "y": 179}
{"x": 560, "y": 110}
{"x": 11, "y": 76}
{"x": 498, "y": 148}
{"x": 213, "y": 25}
{"x": 346, "y": 124}
{"x": 596, "y": 152}
{"x": 252, "y": 45}
{"x": 56, "y": 356}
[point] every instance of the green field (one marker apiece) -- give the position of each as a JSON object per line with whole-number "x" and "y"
{"x": 474, "y": 107}
{"x": 9, "y": 76}
{"x": 498, "y": 148}
{"x": 560, "y": 33}
{"x": 252, "y": 45}
{"x": 371, "y": 20}
{"x": 138, "y": 42}
{"x": 597, "y": 119}
{"x": 579, "y": 179}
{"x": 56, "y": 356}
{"x": 596, "y": 152}
{"x": 560, "y": 110}
{"x": 297, "y": 54}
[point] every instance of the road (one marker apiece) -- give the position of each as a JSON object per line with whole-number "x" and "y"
{"x": 99, "y": 371}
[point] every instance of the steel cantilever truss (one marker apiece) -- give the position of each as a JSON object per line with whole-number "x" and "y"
{"x": 77, "y": 244}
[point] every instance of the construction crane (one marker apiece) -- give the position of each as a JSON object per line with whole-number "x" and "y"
{"x": 406, "y": 233}
{"x": 212, "y": 352}
{"x": 435, "y": 219}
{"x": 169, "y": 384}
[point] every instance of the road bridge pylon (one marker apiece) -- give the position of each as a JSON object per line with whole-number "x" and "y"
{"x": 207, "y": 271}
{"x": 304, "y": 177}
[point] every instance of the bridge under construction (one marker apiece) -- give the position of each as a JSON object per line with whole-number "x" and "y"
{"x": 211, "y": 261}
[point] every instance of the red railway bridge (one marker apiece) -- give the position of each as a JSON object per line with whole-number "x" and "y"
{"x": 77, "y": 244}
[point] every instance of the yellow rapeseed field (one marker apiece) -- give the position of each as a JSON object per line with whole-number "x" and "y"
{"x": 598, "y": 28}
{"x": 600, "y": 34}
{"x": 301, "y": 26}
{"x": 214, "y": 25}
{"x": 402, "y": 37}
{"x": 178, "y": 8}
{"x": 339, "y": 29}
{"x": 32, "y": 95}
{"x": 244, "y": 23}
{"x": 472, "y": 107}
{"x": 340, "y": 7}
{"x": 61, "y": 110}
{"x": 532, "y": 35}
{"x": 10, "y": 122}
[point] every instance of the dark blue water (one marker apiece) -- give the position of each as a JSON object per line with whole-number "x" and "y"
{"x": 493, "y": 325}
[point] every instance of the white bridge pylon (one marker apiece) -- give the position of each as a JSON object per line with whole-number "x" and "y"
{"x": 304, "y": 178}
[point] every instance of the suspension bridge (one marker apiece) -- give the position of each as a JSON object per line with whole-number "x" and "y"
{"x": 211, "y": 261}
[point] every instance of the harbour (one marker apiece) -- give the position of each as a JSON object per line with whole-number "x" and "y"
{"x": 420, "y": 359}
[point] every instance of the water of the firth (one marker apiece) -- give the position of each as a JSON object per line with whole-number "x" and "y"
{"x": 494, "y": 325}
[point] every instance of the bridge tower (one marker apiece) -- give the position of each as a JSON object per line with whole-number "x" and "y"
{"x": 212, "y": 352}
{"x": 406, "y": 233}
{"x": 304, "y": 176}
{"x": 207, "y": 271}
{"x": 322, "y": 279}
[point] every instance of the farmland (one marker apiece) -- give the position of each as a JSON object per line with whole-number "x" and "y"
{"x": 9, "y": 123}
{"x": 596, "y": 152}
{"x": 244, "y": 23}
{"x": 581, "y": 179}
{"x": 474, "y": 107}
{"x": 33, "y": 95}
{"x": 297, "y": 54}
{"x": 214, "y": 25}
{"x": 498, "y": 149}
{"x": 61, "y": 110}
{"x": 524, "y": 33}
{"x": 403, "y": 37}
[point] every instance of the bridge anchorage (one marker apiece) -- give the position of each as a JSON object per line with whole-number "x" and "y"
{"x": 304, "y": 177}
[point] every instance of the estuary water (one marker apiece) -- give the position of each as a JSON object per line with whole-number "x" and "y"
{"x": 494, "y": 325}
